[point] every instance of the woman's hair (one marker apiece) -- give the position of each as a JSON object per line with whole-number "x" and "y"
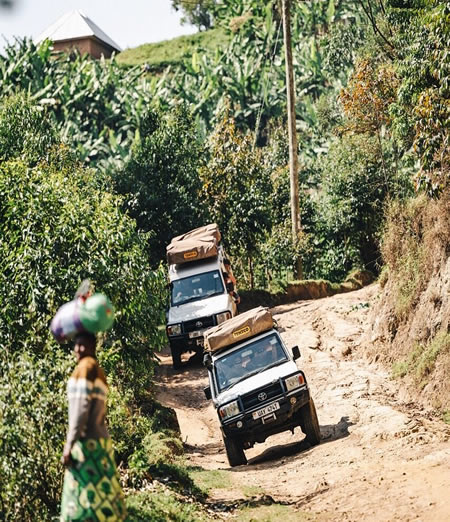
{"x": 87, "y": 339}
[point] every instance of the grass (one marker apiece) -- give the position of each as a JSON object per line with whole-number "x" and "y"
{"x": 410, "y": 279}
{"x": 252, "y": 491}
{"x": 206, "y": 480}
{"x": 421, "y": 361}
{"x": 159, "y": 55}
{"x": 162, "y": 505}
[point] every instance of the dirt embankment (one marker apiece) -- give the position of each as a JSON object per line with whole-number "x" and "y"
{"x": 381, "y": 458}
{"x": 409, "y": 326}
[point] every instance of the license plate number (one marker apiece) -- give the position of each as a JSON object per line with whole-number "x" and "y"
{"x": 267, "y": 410}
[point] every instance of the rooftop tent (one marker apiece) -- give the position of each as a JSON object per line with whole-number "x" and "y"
{"x": 190, "y": 250}
{"x": 200, "y": 243}
{"x": 238, "y": 328}
{"x": 208, "y": 230}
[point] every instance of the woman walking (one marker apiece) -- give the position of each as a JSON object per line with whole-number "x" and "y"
{"x": 91, "y": 489}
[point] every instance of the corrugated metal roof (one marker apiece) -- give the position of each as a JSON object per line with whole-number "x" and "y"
{"x": 75, "y": 24}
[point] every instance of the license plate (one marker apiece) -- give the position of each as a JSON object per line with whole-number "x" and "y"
{"x": 267, "y": 410}
{"x": 197, "y": 333}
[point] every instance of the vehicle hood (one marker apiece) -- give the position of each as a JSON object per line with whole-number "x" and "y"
{"x": 201, "y": 308}
{"x": 256, "y": 381}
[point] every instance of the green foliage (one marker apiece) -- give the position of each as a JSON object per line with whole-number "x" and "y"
{"x": 422, "y": 111}
{"x": 196, "y": 12}
{"x": 236, "y": 188}
{"x": 32, "y": 427}
{"x": 160, "y": 183}
{"x": 157, "y": 56}
{"x": 421, "y": 362}
{"x": 162, "y": 505}
{"x": 25, "y": 133}
{"x": 348, "y": 213}
{"x": 95, "y": 104}
{"x": 57, "y": 227}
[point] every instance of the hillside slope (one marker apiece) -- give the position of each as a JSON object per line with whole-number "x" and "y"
{"x": 410, "y": 324}
{"x": 159, "y": 55}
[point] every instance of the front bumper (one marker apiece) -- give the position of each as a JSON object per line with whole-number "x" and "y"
{"x": 250, "y": 430}
{"x": 187, "y": 342}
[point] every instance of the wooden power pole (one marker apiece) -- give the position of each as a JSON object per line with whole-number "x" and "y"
{"x": 293, "y": 145}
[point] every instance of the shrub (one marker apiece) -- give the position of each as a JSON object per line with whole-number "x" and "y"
{"x": 56, "y": 228}
{"x": 25, "y": 132}
{"x": 32, "y": 428}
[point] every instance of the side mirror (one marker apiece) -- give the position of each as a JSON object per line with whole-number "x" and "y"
{"x": 230, "y": 287}
{"x": 207, "y": 361}
{"x": 207, "y": 391}
{"x": 295, "y": 352}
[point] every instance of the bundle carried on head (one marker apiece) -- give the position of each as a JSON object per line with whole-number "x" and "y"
{"x": 86, "y": 313}
{"x": 200, "y": 243}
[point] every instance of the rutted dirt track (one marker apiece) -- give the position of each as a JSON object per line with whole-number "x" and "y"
{"x": 380, "y": 458}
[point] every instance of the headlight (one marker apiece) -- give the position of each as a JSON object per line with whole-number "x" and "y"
{"x": 230, "y": 410}
{"x": 174, "y": 329}
{"x": 294, "y": 381}
{"x": 224, "y": 316}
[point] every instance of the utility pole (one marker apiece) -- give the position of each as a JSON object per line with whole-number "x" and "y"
{"x": 293, "y": 146}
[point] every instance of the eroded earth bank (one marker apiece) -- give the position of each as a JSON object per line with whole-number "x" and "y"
{"x": 381, "y": 457}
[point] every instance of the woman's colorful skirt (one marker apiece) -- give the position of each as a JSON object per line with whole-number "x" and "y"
{"x": 91, "y": 489}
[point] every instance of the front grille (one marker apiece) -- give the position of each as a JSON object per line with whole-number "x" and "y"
{"x": 250, "y": 400}
{"x": 192, "y": 326}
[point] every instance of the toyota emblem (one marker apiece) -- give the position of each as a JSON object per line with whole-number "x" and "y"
{"x": 198, "y": 324}
{"x": 262, "y": 396}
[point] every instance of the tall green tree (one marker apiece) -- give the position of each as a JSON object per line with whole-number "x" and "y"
{"x": 196, "y": 12}
{"x": 160, "y": 182}
{"x": 236, "y": 188}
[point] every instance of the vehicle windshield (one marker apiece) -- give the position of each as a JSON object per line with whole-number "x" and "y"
{"x": 250, "y": 359}
{"x": 196, "y": 287}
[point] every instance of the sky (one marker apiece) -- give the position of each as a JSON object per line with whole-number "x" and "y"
{"x": 129, "y": 23}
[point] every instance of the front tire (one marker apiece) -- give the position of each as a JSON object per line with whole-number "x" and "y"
{"x": 176, "y": 356}
{"x": 310, "y": 423}
{"x": 235, "y": 452}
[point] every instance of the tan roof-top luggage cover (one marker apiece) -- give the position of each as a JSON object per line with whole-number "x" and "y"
{"x": 206, "y": 231}
{"x": 197, "y": 244}
{"x": 238, "y": 328}
{"x": 191, "y": 250}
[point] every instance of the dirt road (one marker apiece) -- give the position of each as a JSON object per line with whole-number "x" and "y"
{"x": 381, "y": 458}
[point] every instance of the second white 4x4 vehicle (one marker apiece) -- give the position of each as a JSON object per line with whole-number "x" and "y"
{"x": 255, "y": 384}
{"x": 201, "y": 293}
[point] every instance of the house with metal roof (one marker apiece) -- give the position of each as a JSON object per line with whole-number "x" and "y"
{"x": 76, "y": 31}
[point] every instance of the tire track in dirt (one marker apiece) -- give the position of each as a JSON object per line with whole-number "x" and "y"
{"x": 381, "y": 458}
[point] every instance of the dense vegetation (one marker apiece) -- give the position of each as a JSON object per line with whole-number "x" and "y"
{"x": 101, "y": 164}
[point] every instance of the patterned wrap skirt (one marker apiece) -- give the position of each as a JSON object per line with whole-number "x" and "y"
{"x": 91, "y": 491}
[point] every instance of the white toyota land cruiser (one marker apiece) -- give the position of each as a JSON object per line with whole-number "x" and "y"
{"x": 201, "y": 295}
{"x": 255, "y": 384}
